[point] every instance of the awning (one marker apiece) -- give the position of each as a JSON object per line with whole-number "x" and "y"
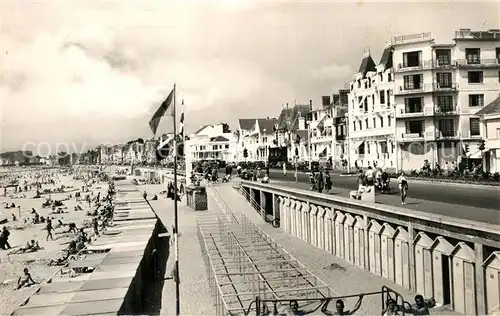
{"x": 356, "y": 143}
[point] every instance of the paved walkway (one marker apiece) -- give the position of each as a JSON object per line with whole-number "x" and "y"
{"x": 194, "y": 288}
{"x": 342, "y": 277}
{"x": 459, "y": 211}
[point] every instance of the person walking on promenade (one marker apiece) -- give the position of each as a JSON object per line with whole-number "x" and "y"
{"x": 284, "y": 168}
{"x": 403, "y": 187}
{"x": 328, "y": 182}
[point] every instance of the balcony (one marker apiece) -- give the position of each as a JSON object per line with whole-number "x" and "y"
{"x": 427, "y": 110}
{"x": 450, "y": 64}
{"x": 447, "y": 135}
{"x": 423, "y": 88}
{"x": 478, "y": 63}
{"x": 423, "y": 65}
{"x": 417, "y": 137}
{"x": 446, "y": 110}
{"x": 439, "y": 87}
{"x": 411, "y": 137}
{"x": 322, "y": 139}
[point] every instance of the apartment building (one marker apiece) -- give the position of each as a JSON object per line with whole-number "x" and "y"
{"x": 256, "y": 136}
{"x": 438, "y": 90}
{"x": 339, "y": 107}
{"x": 371, "y": 114}
{"x": 490, "y": 131}
{"x": 213, "y": 142}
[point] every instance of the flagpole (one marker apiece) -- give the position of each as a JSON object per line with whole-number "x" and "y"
{"x": 176, "y": 220}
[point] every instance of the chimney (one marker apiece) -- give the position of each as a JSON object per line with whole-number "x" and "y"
{"x": 336, "y": 98}
{"x": 326, "y": 100}
{"x": 343, "y": 97}
{"x": 311, "y": 104}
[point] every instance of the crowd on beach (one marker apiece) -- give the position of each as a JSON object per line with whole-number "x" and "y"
{"x": 48, "y": 217}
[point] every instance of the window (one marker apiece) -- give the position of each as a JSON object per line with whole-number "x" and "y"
{"x": 382, "y": 96}
{"x": 414, "y": 127}
{"x": 445, "y": 103}
{"x": 413, "y": 105}
{"x": 474, "y": 126}
{"x": 374, "y": 123}
{"x": 444, "y": 79}
{"x": 354, "y": 126}
{"x": 497, "y": 50}
{"x": 264, "y": 139}
{"x": 383, "y": 148}
{"x": 365, "y": 105}
{"x": 475, "y": 76}
{"x": 389, "y": 121}
{"x": 366, "y": 123}
{"x": 473, "y": 55}
{"x": 443, "y": 57}
{"x": 227, "y": 146}
{"x": 389, "y": 77}
{"x": 447, "y": 128}
{"x": 381, "y": 122}
{"x": 381, "y": 77}
{"x": 412, "y": 59}
{"x": 476, "y": 99}
{"x": 360, "y": 125}
{"x": 413, "y": 82}
{"x": 361, "y": 149}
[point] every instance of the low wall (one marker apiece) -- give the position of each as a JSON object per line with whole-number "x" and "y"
{"x": 453, "y": 260}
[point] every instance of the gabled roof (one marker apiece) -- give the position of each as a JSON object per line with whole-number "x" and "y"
{"x": 247, "y": 124}
{"x": 367, "y": 64}
{"x": 267, "y": 125}
{"x": 219, "y": 139}
{"x": 492, "y": 108}
{"x": 289, "y": 117}
{"x": 200, "y": 129}
{"x": 386, "y": 59}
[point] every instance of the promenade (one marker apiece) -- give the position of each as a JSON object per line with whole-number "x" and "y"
{"x": 342, "y": 277}
{"x": 486, "y": 215}
{"x": 477, "y": 196}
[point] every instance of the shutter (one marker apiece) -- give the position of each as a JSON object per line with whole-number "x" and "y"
{"x": 420, "y": 61}
{"x": 405, "y": 60}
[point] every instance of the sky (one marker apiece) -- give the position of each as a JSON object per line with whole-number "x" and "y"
{"x": 81, "y": 73}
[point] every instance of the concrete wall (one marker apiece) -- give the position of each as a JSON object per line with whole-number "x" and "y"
{"x": 435, "y": 256}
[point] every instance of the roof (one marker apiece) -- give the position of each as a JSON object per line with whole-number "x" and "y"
{"x": 201, "y": 128}
{"x": 247, "y": 124}
{"x": 492, "y": 108}
{"x": 367, "y": 64}
{"x": 386, "y": 59}
{"x": 492, "y": 35}
{"x": 289, "y": 117}
{"x": 267, "y": 125}
{"x": 219, "y": 139}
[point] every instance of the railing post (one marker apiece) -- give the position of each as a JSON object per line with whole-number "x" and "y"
{"x": 480, "y": 282}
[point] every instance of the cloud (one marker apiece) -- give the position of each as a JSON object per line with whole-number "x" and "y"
{"x": 333, "y": 72}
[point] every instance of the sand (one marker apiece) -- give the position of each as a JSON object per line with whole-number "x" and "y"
{"x": 11, "y": 266}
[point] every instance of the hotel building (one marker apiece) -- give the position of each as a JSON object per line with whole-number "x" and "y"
{"x": 371, "y": 114}
{"x": 438, "y": 90}
{"x": 212, "y": 142}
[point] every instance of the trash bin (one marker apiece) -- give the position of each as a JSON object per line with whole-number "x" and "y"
{"x": 196, "y": 198}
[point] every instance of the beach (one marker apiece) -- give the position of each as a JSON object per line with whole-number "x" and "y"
{"x": 22, "y": 230}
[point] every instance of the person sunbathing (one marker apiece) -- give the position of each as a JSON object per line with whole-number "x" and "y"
{"x": 25, "y": 280}
{"x": 71, "y": 250}
{"x": 31, "y": 246}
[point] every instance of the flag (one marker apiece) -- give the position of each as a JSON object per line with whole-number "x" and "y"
{"x": 165, "y": 109}
{"x": 181, "y": 125}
